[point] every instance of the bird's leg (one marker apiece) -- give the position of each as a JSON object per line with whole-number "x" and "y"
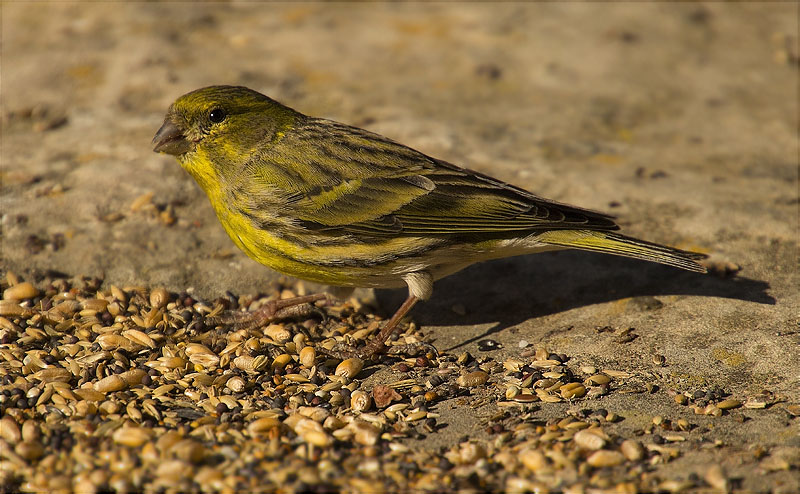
{"x": 271, "y": 311}
{"x": 377, "y": 344}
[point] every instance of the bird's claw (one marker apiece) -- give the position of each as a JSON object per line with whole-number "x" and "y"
{"x": 274, "y": 310}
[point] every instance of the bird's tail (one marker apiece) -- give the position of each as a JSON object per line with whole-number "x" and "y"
{"x": 614, "y": 243}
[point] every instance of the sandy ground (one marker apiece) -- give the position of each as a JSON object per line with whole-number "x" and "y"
{"x": 679, "y": 118}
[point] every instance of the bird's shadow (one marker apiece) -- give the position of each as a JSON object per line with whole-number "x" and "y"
{"x": 510, "y": 291}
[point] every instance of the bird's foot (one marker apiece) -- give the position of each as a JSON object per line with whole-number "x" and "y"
{"x": 274, "y": 310}
{"x": 372, "y": 350}
{"x": 413, "y": 349}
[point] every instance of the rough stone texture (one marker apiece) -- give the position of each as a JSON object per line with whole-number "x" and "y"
{"x": 679, "y": 118}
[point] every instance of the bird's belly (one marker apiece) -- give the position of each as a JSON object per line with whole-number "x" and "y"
{"x": 370, "y": 264}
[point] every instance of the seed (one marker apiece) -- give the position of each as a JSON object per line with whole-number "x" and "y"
{"x": 333, "y": 423}
{"x": 250, "y": 364}
{"x": 632, "y": 450}
{"x": 12, "y": 309}
{"x": 313, "y": 433}
{"x": 278, "y": 333}
{"x": 545, "y": 364}
{"x": 308, "y": 355}
{"x": 534, "y": 460}
{"x": 30, "y": 451}
{"x": 112, "y": 341}
{"x": 110, "y": 383}
{"x": 9, "y": 430}
{"x": 616, "y": 374}
{"x": 605, "y": 458}
{"x": 163, "y": 389}
{"x": 159, "y": 298}
{"x": 236, "y": 384}
{"x": 548, "y": 398}
{"x": 572, "y": 390}
{"x": 20, "y": 291}
{"x": 281, "y": 361}
{"x": 513, "y": 364}
{"x": 84, "y": 408}
{"x": 317, "y": 414}
{"x": 681, "y": 399}
{"x": 418, "y": 415}
{"x": 512, "y": 391}
{"x": 469, "y": 452}
{"x": 171, "y": 472}
{"x": 360, "y": 401}
{"x": 364, "y": 433}
{"x": 729, "y": 404}
{"x": 139, "y": 338}
{"x": 715, "y": 476}
{"x": 89, "y": 394}
{"x": 141, "y": 201}
{"x": 472, "y": 379}
{"x": 133, "y": 377}
{"x": 53, "y": 374}
{"x": 349, "y": 368}
{"x": 589, "y": 439}
{"x": 757, "y": 403}
{"x": 598, "y": 380}
{"x": 132, "y": 436}
{"x": 261, "y": 425}
{"x": 296, "y": 378}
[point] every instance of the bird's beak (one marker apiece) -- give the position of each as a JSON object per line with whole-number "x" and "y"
{"x": 170, "y": 139}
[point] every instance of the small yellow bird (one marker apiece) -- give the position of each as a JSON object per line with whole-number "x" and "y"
{"x": 335, "y": 204}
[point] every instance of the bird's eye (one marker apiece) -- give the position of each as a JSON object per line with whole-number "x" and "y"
{"x": 217, "y": 115}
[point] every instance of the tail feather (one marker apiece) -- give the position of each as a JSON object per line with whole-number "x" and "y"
{"x": 614, "y": 243}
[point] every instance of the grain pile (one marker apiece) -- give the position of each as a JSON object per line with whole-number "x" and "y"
{"x": 129, "y": 389}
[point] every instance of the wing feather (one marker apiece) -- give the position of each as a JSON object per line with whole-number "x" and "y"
{"x": 355, "y": 182}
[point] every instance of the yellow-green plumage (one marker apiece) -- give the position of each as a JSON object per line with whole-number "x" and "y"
{"x": 335, "y": 204}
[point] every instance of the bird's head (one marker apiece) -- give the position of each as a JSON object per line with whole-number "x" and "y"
{"x": 223, "y": 123}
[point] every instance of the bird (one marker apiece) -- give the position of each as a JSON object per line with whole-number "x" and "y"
{"x": 336, "y": 204}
